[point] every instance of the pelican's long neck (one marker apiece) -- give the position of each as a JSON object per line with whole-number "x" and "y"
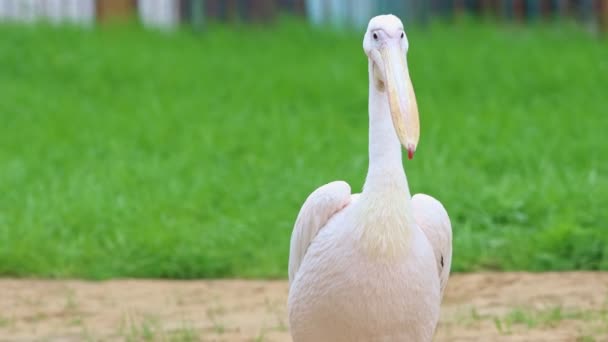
{"x": 385, "y": 218}
{"x": 385, "y": 174}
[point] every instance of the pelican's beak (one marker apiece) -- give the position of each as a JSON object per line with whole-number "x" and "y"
{"x": 401, "y": 97}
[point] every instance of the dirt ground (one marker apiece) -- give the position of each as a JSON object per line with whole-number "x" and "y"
{"x": 477, "y": 307}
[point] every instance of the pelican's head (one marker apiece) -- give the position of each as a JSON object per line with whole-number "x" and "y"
{"x": 386, "y": 45}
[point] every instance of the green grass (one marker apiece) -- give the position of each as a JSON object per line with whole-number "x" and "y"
{"x": 135, "y": 327}
{"x": 526, "y": 318}
{"x": 133, "y": 153}
{"x": 548, "y": 318}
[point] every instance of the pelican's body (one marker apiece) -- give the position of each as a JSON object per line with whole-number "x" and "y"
{"x": 372, "y": 266}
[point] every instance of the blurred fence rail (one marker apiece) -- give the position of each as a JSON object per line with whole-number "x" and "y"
{"x": 82, "y": 11}
{"x": 356, "y": 13}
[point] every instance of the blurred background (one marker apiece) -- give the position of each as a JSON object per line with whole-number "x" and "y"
{"x": 168, "y": 138}
{"x": 356, "y": 13}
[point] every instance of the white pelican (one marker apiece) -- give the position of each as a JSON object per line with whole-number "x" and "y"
{"x": 373, "y": 266}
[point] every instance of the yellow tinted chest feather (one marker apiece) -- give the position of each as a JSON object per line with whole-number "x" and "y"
{"x": 383, "y": 227}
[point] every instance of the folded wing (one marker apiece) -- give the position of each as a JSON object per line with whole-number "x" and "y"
{"x": 319, "y": 207}
{"x": 433, "y": 219}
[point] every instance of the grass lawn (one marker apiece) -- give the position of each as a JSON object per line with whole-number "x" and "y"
{"x": 131, "y": 153}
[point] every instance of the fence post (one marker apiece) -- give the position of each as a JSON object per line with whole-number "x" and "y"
{"x": 424, "y": 9}
{"x": 299, "y": 7}
{"x": 114, "y": 9}
{"x": 534, "y": 9}
{"x": 316, "y": 11}
{"x": 486, "y": 8}
{"x": 459, "y": 9}
{"x": 603, "y": 16}
{"x": 197, "y": 10}
{"x": 545, "y": 8}
{"x": 562, "y": 7}
{"x": 586, "y": 10}
{"x": 339, "y": 12}
{"x": 361, "y": 12}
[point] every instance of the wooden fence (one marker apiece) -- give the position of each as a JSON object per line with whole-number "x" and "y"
{"x": 80, "y": 11}
{"x": 76, "y": 11}
{"x": 356, "y": 13}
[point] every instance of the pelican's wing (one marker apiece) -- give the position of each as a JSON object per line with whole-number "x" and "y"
{"x": 433, "y": 219}
{"x": 322, "y": 204}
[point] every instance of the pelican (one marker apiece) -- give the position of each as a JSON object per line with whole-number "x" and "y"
{"x": 373, "y": 266}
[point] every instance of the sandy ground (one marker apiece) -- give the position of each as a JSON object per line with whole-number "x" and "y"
{"x": 477, "y": 307}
